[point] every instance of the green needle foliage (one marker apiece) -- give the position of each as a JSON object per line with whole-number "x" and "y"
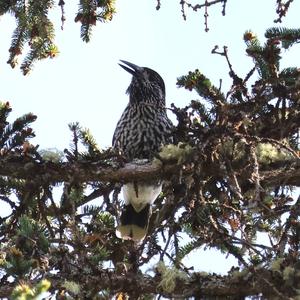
{"x": 286, "y": 36}
{"x": 26, "y": 292}
{"x": 14, "y": 135}
{"x": 35, "y": 30}
{"x": 92, "y": 11}
{"x": 236, "y": 162}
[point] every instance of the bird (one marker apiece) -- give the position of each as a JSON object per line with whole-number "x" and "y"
{"x": 142, "y": 130}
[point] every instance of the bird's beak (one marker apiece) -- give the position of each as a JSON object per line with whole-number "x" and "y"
{"x": 131, "y": 68}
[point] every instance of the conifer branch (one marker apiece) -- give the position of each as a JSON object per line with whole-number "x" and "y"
{"x": 199, "y": 285}
{"x": 26, "y": 168}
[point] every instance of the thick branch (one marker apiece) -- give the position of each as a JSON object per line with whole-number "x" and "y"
{"x": 95, "y": 171}
{"x": 282, "y": 176}
{"x": 203, "y": 285}
{"x": 82, "y": 171}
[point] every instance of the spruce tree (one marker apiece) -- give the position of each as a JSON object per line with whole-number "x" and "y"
{"x": 232, "y": 175}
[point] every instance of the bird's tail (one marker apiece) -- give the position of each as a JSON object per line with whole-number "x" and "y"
{"x": 133, "y": 225}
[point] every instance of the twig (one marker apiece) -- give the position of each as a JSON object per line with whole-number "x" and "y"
{"x": 206, "y": 4}
{"x": 206, "y": 16}
{"x": 255, "y": 174}
{"x": 196, "y": 7}
{"x": 158, "y": 5}
{"x": 282, "y": 9}
{"x": 182, "y": 3}
{"x": 166, "y": 245}
{"x": 61, "y": 3}
{"x": 284, "y": 236}
{"x": 224, "y": 8}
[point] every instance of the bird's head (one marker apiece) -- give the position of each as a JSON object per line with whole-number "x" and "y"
{"x": 146, "y": 84}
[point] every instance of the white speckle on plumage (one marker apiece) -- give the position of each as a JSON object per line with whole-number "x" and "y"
{"x": 141, "y": 131}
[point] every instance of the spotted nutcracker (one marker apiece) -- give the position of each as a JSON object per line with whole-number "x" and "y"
{"x": 141, "y": 131}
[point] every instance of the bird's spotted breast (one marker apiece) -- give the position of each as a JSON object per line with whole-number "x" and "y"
{"x": 144, "y": 130}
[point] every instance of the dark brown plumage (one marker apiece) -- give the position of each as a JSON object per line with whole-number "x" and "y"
{"x": 141, "y": 131}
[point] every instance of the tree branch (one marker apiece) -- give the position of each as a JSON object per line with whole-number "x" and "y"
{"x": 26, "y": 168}
{"x": 199, "y": 284}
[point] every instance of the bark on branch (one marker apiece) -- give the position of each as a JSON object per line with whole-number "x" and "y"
{"x": 198, "y": 285}
{"x": 95, "y": 171}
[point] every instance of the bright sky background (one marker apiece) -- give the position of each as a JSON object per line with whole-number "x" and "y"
{"x": 84, "y": 83}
